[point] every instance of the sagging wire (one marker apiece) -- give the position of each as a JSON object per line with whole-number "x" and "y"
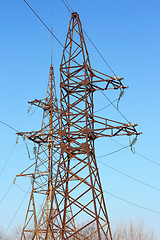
{"x": 21, "y": 188}
{"x": 29, "y": 109}
{"x": 13, "y": 183}
{"x": 105, "y": 106}
{"x": 105, "y": 155}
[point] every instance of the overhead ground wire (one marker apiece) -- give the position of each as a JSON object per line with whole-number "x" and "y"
{"x": 44, "y": 23}
{"x": 63, "y": 47}
{"x": 121, "y": 114}
{"x": 71, "y": 10}
{"x": 68, "y": 6}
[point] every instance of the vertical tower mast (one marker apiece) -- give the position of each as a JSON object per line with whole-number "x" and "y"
{"x": 65, "y": 169}
{"x": 42, "y": 171}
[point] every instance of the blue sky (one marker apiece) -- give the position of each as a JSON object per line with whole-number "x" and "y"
{"x": 127, "y": 34}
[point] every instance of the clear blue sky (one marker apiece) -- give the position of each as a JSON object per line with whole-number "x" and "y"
{"x": 127, "y": 33}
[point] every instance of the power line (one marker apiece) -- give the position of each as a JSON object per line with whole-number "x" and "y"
{"x": 16, "y": 211}
{"x": 126, "y": 175}
{"x": 7, "y": 159}
{"x": 67, "y": 6}
{"x": 142, "y": 156}
{"x": 63, "y": 47}
{"x": 6, "y": 148}
{"x": 131, "y": 203}
{"x": 21, "y": 188}
{"x": 70, "y": 10}
{"x": 113, "y": 152}
{"x": 99, "y": 52}
{"x": 9, "y": 126}
{"x": 44, "y": 23}
{"x": 6, "y": 193}
{"x": 114, "y": 106}
{"x": 105, "y": 106}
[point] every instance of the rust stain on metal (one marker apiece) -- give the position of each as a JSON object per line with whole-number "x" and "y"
{"x": 66, "y": 186}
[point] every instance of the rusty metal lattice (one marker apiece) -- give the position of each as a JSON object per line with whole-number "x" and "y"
{"x": 66, "y": 186}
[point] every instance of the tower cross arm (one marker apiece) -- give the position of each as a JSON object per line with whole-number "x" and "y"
{"x": 39, "y": 103}
{"x": 109, "y": 128}
{"x": 102, "y": 81}
{"x": 42, "y": 136}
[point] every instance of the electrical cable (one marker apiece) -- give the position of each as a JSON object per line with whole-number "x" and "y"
{"x": 126, "y": 175}
{"x": 105, "y": 190}
{"x": 69, "y": 5}
{"x": 113, "y": 152}
{"x": 8, "y": 126}
{"x": 70, "y": 10}
{"x": 59, "y": 40}
{"x": 7, "y": 159}
{"x": 105, "y": 106}
{"x": 6, "y": 193}
{"x": 150, "y": 160}
{"x": 16, "y": 211}
{"x": 99, "y": 52}
{"x": 66, "y": 5}
{"x": 20, "y": 188}
{"x": 44, "y": 23}
{"x": 63, "y": 47}
{"x": 6, "y": 148}
{"x": 10, "y": 141}
{"x": 103, "y": 60}
{"x": 131, "y": 203}
{"x": 99, "y": 156}
{"x": 114, "y": 106}
{"x": 142, "y": 156}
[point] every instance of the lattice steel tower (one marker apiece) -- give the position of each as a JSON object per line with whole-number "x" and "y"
{"x": 66, "y": 187}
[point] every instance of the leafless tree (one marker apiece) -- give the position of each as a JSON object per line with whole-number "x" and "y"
{"x": 128, "y": 231}
{"x": 131, "y": 231}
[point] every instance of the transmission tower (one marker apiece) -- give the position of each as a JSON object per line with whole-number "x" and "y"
{"x": 66, "y": 198}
